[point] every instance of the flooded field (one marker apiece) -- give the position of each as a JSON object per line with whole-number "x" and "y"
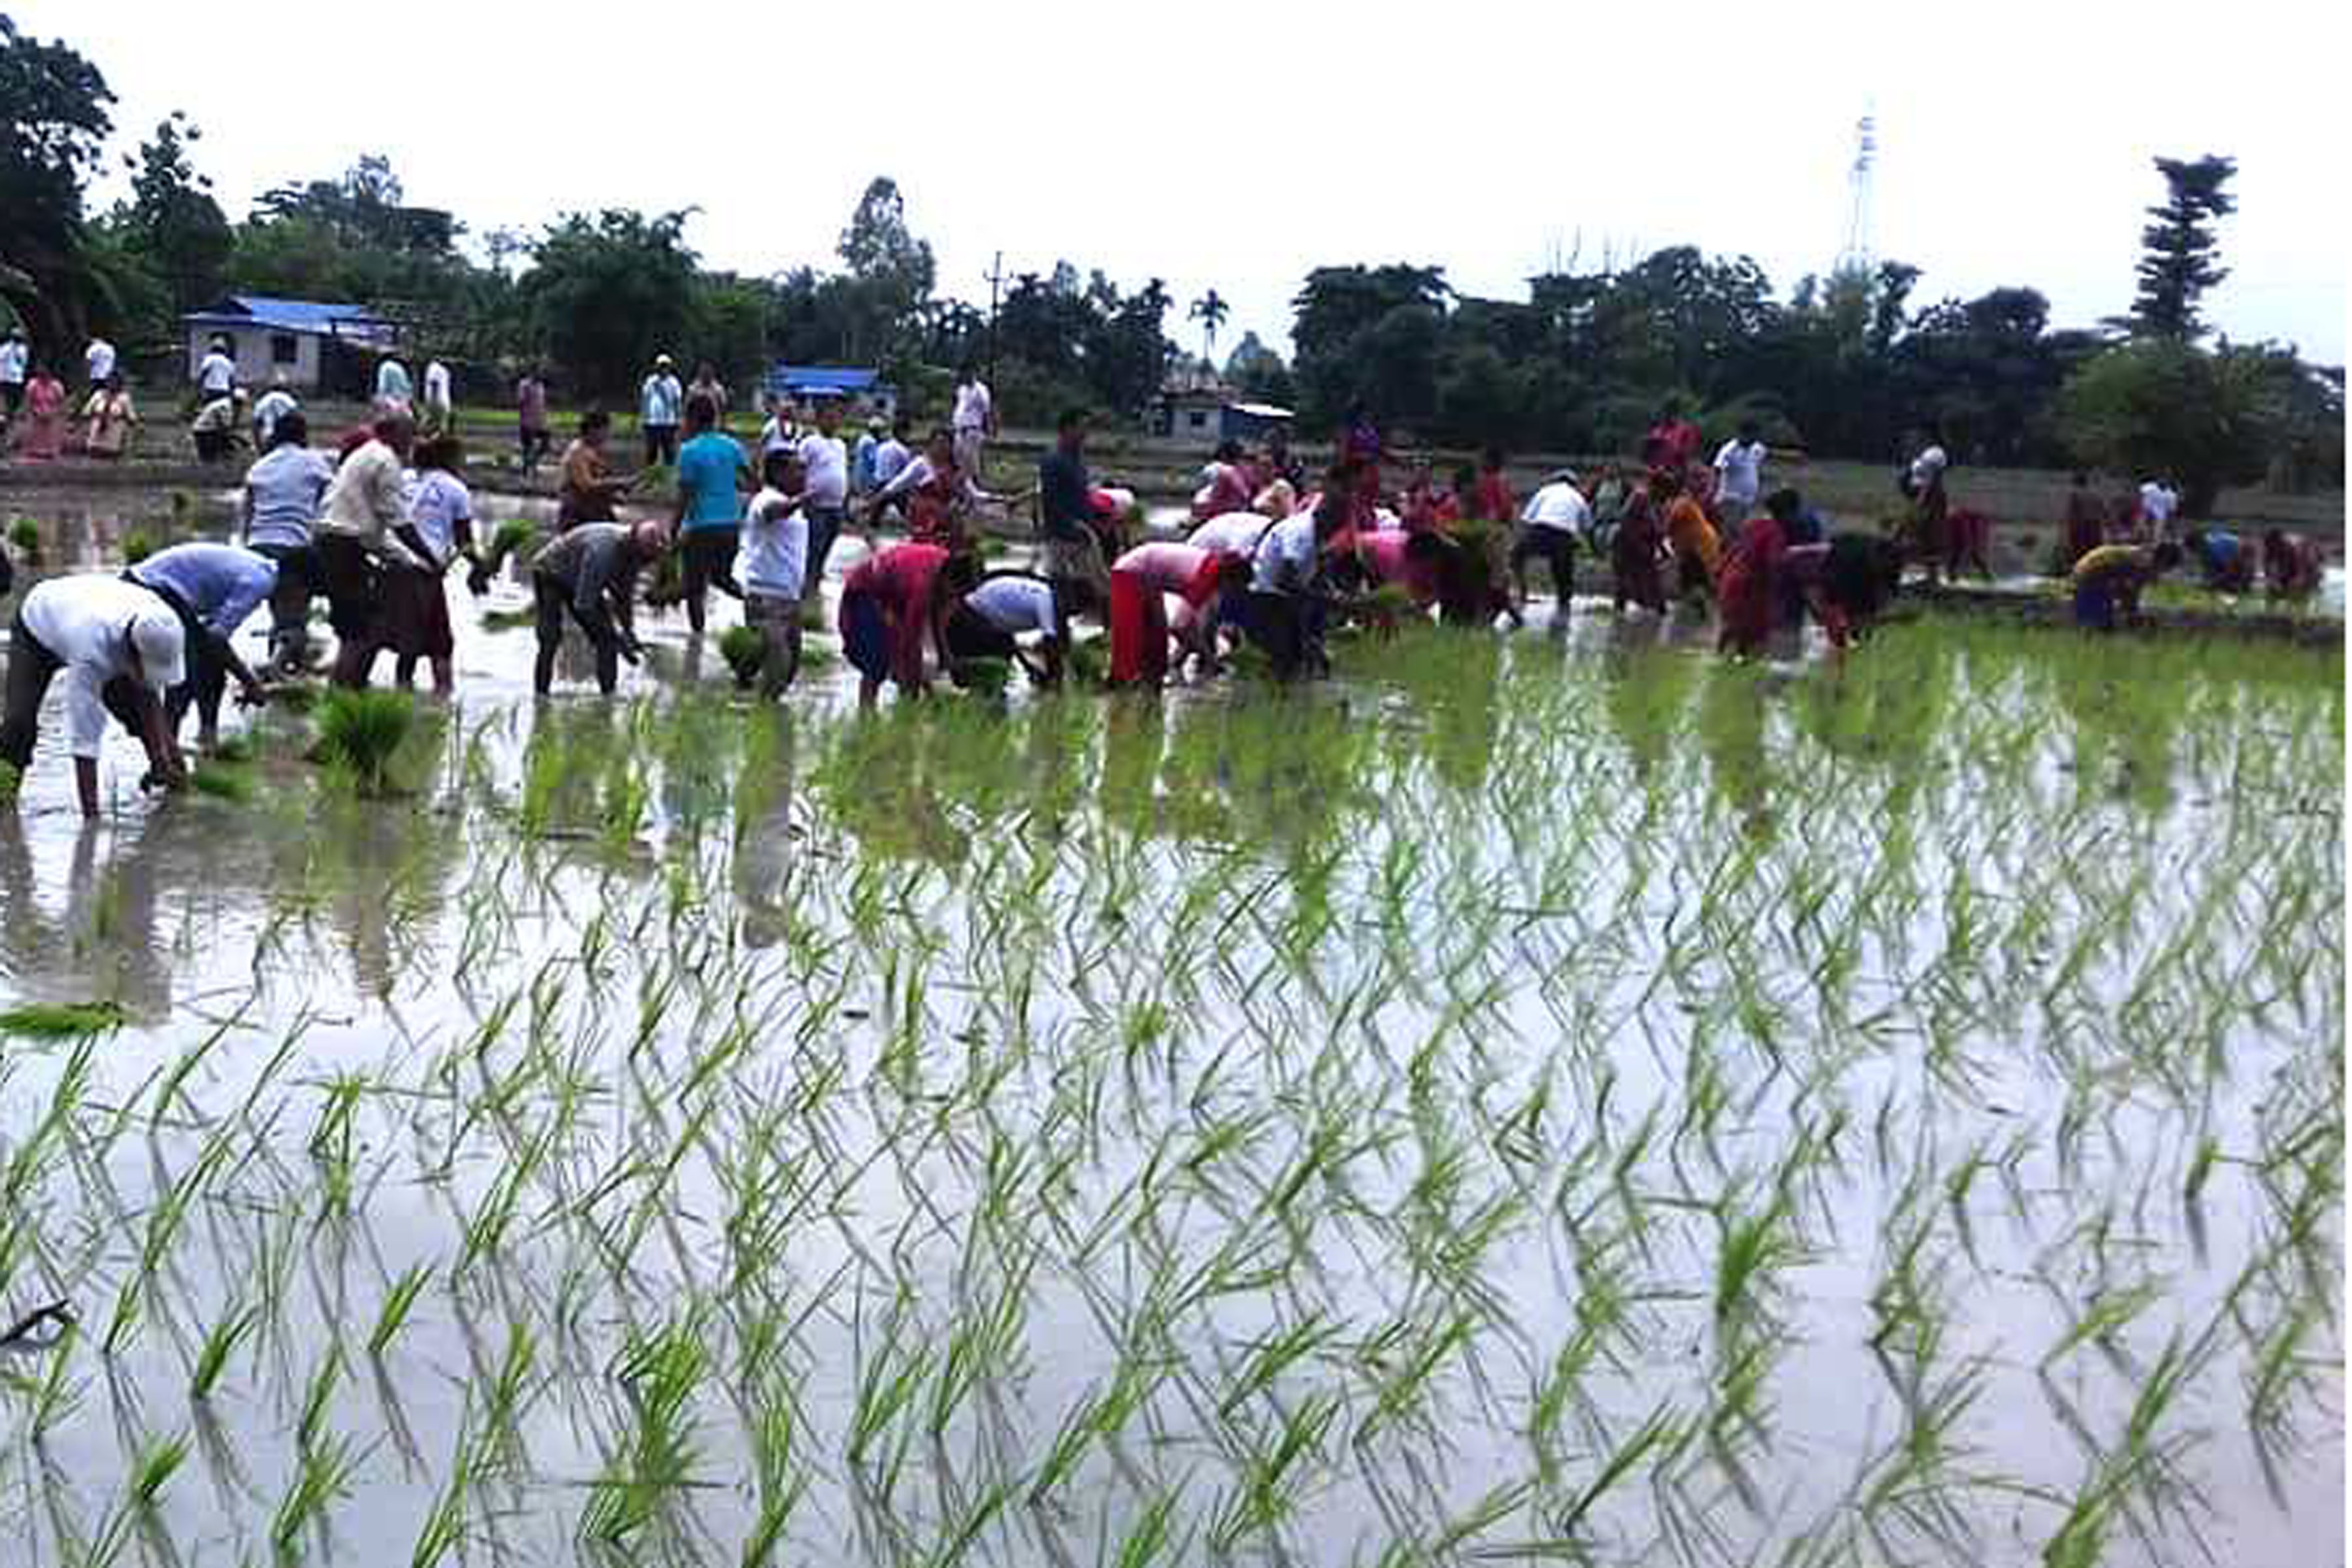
{"x": 1553, "y": 1097}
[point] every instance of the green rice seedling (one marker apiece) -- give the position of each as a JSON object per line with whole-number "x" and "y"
{"x": 222, "y": 780}
{"x": 56, "y": 1397}
{"x": 398, "y": 1302}
{"x": 62, "y": 1020}
{"x": 317, "y": 1396}
{"x": 12, "y": 782}
{"x": 25, "y": 535}
{"x": 138, "y": 544}
{"x": 322, "y": 1474}
{"x": 229, "y": 1330}
{"x": 744, "y": 650}
{"x": 660, "y": 1373}
{"x": 153, "y": 1470}
{"x": 359, "y": 731}
{"x": 443, "y": 1530}
{"x": 1268, "y": 1486}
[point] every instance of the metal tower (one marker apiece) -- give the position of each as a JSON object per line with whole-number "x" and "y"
{"x": 1856, "y": 255}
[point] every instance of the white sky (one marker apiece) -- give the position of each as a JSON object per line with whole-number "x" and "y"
{"x": 1235, "y": 146}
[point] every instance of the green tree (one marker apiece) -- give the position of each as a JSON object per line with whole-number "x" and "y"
{"x": 2162, "y": 407}
{"x": 171, "y": 220}
{"x": 890, "y": 276}
{"x": 54, "y": 123}
{"x": 1211, "y": 311}
{"x": 606, "y": 294}
{"x": 2180, "y": 250}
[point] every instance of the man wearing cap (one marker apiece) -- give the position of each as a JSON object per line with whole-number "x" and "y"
{"x": 659, "y": 401}
{"x": 212, "y": 588}
{"x": 120, "y": 649}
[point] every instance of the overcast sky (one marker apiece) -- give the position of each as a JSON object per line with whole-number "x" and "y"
{"x": 1235, "y": 146}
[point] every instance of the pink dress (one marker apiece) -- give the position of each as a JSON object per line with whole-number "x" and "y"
{"x": 45, "y": 419}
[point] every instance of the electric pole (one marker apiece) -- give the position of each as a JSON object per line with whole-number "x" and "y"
{"x": 995, "y": 277}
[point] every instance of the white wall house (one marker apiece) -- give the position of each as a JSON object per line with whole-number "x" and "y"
{"x": 269, "y": 337}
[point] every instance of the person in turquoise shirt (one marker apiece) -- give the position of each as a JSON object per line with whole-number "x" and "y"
{"x": 711, "y": 475}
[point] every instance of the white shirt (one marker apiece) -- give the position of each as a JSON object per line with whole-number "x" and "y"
{"x": 890, "y": 458}
{"x": 12, "y": 359}
{"x": 216, "y": 375}
{"x": 971, "y": 405}
{"x": 392, "y": 382}
{"x": 99, "y": 360}
{"x": 659, "y": 399}
{"x": 436, "y": 385}
{"x": 282, "y": 492}
{"x": 268, "y": 408}
{"x": 1741, "y": 464}
{"x": 776, "y": 435}
{"x": 1558, "y": 505}
{"x": 85, "y": 623}
{"x": 1233, "y": 533}
{"x": 1927, "y": 466}
{"x": 2156, "y": 502}
{"x": 436, "y": 505}
{"x": 1015, "y": 603}
{"x": 825, "y": 461}
{"x": 367, "y": 501}
{"x": 1285, "y": 556}
{"x": 773, "y": 555}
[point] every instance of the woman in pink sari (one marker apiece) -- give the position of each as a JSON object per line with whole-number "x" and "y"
{"x": 1233, "y": 485}
{"x": 43, "y": 435}
{"x": 1139, "y": 615}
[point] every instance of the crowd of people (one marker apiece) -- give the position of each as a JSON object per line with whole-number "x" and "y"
{"x": 1273, "y": 559}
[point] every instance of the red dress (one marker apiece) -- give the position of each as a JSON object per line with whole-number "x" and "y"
{"x": 890, "y": 593}
{"x": 1491, "y": 499}
{"x": 1139, "y": 616}
{"x": 1747, "y": 592}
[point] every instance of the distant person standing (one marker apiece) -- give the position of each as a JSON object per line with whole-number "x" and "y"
{"x": 108, "y": 418}
{"x": 42, "y": 433}
{"x": 824, "y": 488}
{"x": 1930, "y": 503}
{"x": 216, "y": 373}
{"x": 892, "y": 454}
{"x": 974, "y": 422}
{"x": 530, "y": 421}
{"x": 2158, "y": 502}
{"x": 283, "y": 490}
{"x": 441, "y": 511}
{"x": 1739, "y": 474}
{"x": 706, "y": 384}
{"x": 268, "y": 409}
{"x": 659, "y": 400}
{"x": 439, "y": 409}
{"x": 1072, "y": 552}
{"x": 16, "y": 360}
{"x": 708, "y": 524}
{"x": 394, "y": 392}
{"x": 1672, "y": 440}
{"x": 861, "y": 458}
{"x": 98, "y": 363}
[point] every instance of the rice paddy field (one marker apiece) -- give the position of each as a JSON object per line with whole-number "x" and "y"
{"x": 1545, "y": 1098}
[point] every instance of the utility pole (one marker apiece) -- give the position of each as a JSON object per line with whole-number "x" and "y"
{"x": 995, "y": 277}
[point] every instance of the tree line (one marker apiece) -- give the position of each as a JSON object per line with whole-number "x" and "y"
{"x": 1850, "y": 364}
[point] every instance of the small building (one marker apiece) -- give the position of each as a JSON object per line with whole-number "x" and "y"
{"x": 864, "y": 393}
{"x": 1209, "y": 415}
{"x": 292, "y": 338}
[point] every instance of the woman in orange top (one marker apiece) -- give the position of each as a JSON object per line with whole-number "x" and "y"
{"x": 1698, "y": 549}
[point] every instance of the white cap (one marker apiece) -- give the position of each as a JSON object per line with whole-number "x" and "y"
{"x": 163, "y": 648}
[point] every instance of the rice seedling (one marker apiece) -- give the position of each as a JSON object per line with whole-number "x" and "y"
{"x": 62, "y": 1020}
{"x": 25, "y": 535}
{"x": 358, "y": 732}
{"x": 744, "y": 650}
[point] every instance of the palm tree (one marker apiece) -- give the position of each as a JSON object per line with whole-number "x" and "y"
{"x": 1211, "y": 311}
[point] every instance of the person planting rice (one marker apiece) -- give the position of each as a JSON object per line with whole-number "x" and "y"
{"x": 2085, "y": 524}
{"x": 282, "y": 497}
{"x": 214, "y": 428}
{"x": 1140, "y": 581}
{"x": 1748, "y": 589}
{"x": 2109, "y": 581}
{"x": 1697, "y": 548}
{"x": 2291, "y": 565}
{"x": 934, "y": 493}
{"x": 364, "y": 531}
{"x": 587, "y": 490}
{"x": 2224, "y": 564}
{"x": 773, "y": 567}
{"x": 1236, "y": 533}
{"x": 1231, "y": 485}
{"x": 212, "y": 588}
{"x": 1924, "y": 486}
{"x": 120, "y": 650}
{"x": 1637, "y": 554}
{"x": 1284, "y": 609}
{"x": 441, "y": 509}
{"x": 1491, "y": 499}
{"x": 590, "y": 572}
{"x": 986, "y": 623}
{"x": 1072, "y": 550}
{"x": 1555, "y": 515}
{"x": 891, "y": 604}
{"x": 711, "y": 469}
{"x": 824, "y": 485}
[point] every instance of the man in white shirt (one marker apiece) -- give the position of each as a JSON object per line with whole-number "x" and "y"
{"x": 988, "y": 621}
{"x": 661, "y": 400}
{"x": 1284, "y": 615}
{"x": 772, "y": 562}
{"x": 98, "y": 360}
{"x": 119, "y": 647}
{"x": 825, "y": 467}
{"x": 16, "y": 360}
{"x": 974, "y": 421}
{"x": 394, "y": 392}
{"x": 362, "y": 529}
{"x": 1927, "y": 469}
{"x": 1549, "y": 526}
{"x": 216, "y": 373}
{"x": 2158, "y": 503}
{"x": 267, "y": 409}
{"x": 891, "y": 458}
{"x": 1739, "y": 474}
{"x": 437, "y": 404}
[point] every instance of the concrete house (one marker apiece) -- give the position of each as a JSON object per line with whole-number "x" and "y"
{"x": 862, "y": 393}
{"x": 271, "y": 337}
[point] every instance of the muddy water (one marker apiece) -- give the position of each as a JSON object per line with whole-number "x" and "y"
{"x": 1033, "y": 1007}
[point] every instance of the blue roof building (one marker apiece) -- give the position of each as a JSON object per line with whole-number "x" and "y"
{"x": 275, "y": 340}
{"x": 862, "y": 389}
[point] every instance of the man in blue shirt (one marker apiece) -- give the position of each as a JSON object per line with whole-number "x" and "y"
{"x": 212, "y": 588}
{"x": 711, "y": 475}
{"x": 658, "y": 404}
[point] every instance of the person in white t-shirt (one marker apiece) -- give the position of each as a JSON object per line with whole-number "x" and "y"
{"x": 1739, "y": 475}
{"x": 988, "y": 622}
{"x": 437, "y": 407}
{"x": 393, "y": 390}
{"x": 974, "y": 421}
{"x": 216, "y": 373}
{"x": 2158, "y": 503}
{"x": 772, "y": 562}
{"x": 267, "y": 409}
{"x": 119, "y": 647}
{"x": 16, "y": 362}
{"x": 825, "y": 470}
{"x": 98, "y": 360}
{"x": 1549, "y": 526}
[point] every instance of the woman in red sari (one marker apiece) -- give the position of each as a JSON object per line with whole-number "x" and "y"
{"x": 1748, "y": 589}
{"x": 1139, "y": 612}
{"x": 889, "y": 604}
